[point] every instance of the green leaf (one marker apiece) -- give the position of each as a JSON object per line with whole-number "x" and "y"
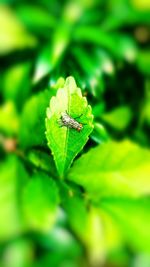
{"x": 74, "y": 205}
{"x": 119, "y": 118}
{"x": 113, "y": 169}
{"x": 42, "y": 161}
{"x": 13, "y": 177}
{"x": 9, "y": 120}
{"x": 60, "y": 39}
{"x": 64, "y": 142}
{"x": 13, "y": 34}
{"x": 40, "y": 21}
{"x": 32, "y": 129}
{"x": 132, "y": 216}
{"x": 64, "y": 246}
{"x": 93, "y": 69}
{"x": 143, "y": 62}
{"x": 19, "y": 77}
{"x": 40, "y": 201}
{"x": 19, "y": 251}
{"x": 127, "y": 48}
{"x": 99, "y": 134}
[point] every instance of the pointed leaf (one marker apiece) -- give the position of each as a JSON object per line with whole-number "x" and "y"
{"x": 64, "y": 142}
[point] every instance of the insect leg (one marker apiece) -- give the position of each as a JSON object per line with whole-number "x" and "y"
{"x": 59, "y": 121}
{"x": 60, "y": 126}
{"x": 78, "y": 117}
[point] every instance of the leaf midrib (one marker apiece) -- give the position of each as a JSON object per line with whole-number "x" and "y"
{"x": 67, "y": 132}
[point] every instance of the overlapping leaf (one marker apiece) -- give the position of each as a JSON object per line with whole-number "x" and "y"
{"x": 113, "y": 169}
{"x": 33, "y": 120}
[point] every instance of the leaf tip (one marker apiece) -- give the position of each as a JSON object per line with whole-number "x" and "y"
{"x": 70, "y": 83}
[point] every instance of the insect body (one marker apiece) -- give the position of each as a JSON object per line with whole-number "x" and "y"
{"x": 69, "y": 122}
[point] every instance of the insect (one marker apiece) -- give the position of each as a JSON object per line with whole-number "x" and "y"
{"x": 72, "y": 123}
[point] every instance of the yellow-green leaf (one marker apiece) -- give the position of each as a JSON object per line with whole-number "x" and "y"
{"x": 113, "y": 169}
{"x": 40, "y": 201}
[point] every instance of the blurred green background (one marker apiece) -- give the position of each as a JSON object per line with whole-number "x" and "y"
{"x": 105, "y": 45}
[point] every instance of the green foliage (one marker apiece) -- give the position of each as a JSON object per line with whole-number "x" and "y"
{"x": 72, "y": 201}
{"x": 42, "y": 161}
{"x": 71, "y": 197}
{"x": 9, "y": 123}
{"x": 11, "y": 223}
{"x": 129, "y": 215}
{"x": 13, "y": 34}
{"x": 119, "y": 118}
{"x": 65, "y": 142}
{"x": 17, "y": 75}
{"x": 40, "y": 201}
{"x": 120, "y": 169}
{"x": 33, "y": 120}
